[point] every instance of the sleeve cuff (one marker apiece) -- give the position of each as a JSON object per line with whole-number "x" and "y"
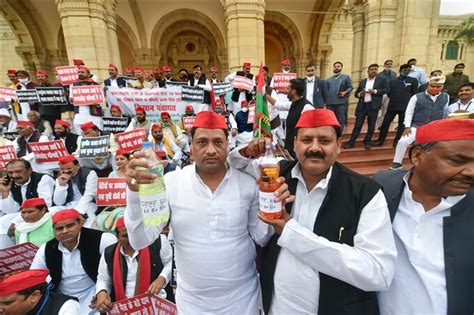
{"x": 284, "y": 238}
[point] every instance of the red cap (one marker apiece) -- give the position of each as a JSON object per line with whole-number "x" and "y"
{"x": 247, "y": 64}
{"x": 64, "y": 215}
{"x": 189, "y": 107}
{"x": 88, "y": 125}
{"x": 445, "y": 130}
{"x": 214, "y": 69}
{"x": 210, "y": 120}
{"x": 62, "y": 122}
{"x": 165, "y": 114}
{"x": 23, "y": 280}
{"x": 155, "y": 126}
{"x": 33, "y": 202}
{"x": 317, "y": 118}
{"x": 157, "y": 70}
{"x": 117, "y": 107}
{"x": 149, "y": 72}
{"x": 25, "y": 123}
{"x": 128, "y": 69}
{"x": 66, "y": 159}
{"x": 138, "y": 68}
{"x": 41, "y": 72}
{"x": 286, "y": 62}
{"x": 122, "y": 152}
{"x": 161, "y": 154}
{"x": 83, "y": 68}
{"x": 138, "y": 108}
{"x": 244, "y": 102}
{"x": 78, "y": 62}
{"x": 113, "y": 66}
{"x": 10, "y": 72}
{"x": 166, "y": 68}
{"x": 120, "y": 222}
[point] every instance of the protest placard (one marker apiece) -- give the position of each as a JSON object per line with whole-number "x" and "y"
{"x": 51, "y": 95}
{"x": 222, "y": 88}
{"x": 114, "y": 124}
{"x": 242, "y": 83}
{"x": 251, "y": 118}
{"x": 192, "y": 94}
{"x": 111, "y": 192}
{"x": 175, "y": 83}
{"x": 67, "y": 74}
{"x": 7, "y": 154}
{"x": 16, "y": 258}
{"x": 27, "y": 96}
{"x": 188, "y": 121}
{"x": 92, "y": 147}
{"x": 86, "y": 94}
{"x": 7, "y": 94}
{"x": 50, "y": 151}
{"x": 142, "y": 304}
{"x": 11, "y": 136}
{"x": 282, "y": 80}
{"x": 131, "y": 140}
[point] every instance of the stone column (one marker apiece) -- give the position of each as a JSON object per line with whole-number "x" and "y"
{"x": 111, "y": 16}
{"x": 86, "y": 33}
{"x": 358, "y": 42}
{"x": 245, "y": 32}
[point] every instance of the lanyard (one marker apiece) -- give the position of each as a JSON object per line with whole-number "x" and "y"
{"x": 468, "y": 104}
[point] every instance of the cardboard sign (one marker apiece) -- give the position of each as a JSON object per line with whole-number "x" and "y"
{"x": 242, "y": 83}
{"x": 7, "y": 94}
{"x": 7, "y": 154}
{"x": 27, "y": 96}
{"x": 10, "y": 135}
{"x": 111, "y": 192}
{"x": 16, "y": 258}
{"x": 49, "y": 151}
{"x": 52, "y": 95}
{"x": 114, "y": 124}
{"x": 175, "y": 83}
{"x": 222, "y": 88}
{"x": 86, "y": 95}
{"x": 282, "y": 80}
{"x": 192, "y": 94}
{"x": 67, "y": 74}
{"x": 94, "y": 147}
{"x": 131, "y": 140}
{"x": 251, "y": 118}
{"x": 188, "y": 121}
{"x": 142, "y": 304}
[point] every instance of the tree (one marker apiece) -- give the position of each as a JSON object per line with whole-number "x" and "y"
{"x": 466, "y": 32}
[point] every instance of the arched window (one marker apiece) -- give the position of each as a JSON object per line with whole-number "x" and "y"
{"x": 452, "y": 50}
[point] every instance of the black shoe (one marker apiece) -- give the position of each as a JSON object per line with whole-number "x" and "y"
{"x": 377, "y": 143}
{"x": 348, "y": 145}
{"x": 367, "y": 146}
{"x": 395, "y": 166}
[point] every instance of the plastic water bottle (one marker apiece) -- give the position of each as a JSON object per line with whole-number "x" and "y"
{"x": 153, "y": 200}
{"x": 270, "y": 206}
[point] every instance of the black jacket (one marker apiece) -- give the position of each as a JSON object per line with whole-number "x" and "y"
{"x": 381, "y": 85}
{"x": 400, "y": 93}
{"x": 120, "y": 82}
{"x": 320, "y": 92}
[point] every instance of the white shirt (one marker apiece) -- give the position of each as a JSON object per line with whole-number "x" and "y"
{"x": 105, "y": 281}
{"x": 368, "y": 265}
{"x": 70, "y": 307}
{"x": 177, "y": 153}
{"x": 419, "y": 284}
{"x": 368, "y": 85}
{"x": 29, "y": 155}
{"x": 206, "y": 87}
{"x": 74, "y": 282}
{"x": 310, "y": 88}
{"x": 80, "y": 202}
{"x": 469, "y": 106}
{"x": 410, "y": 111}
{"x": 213, "y": 246}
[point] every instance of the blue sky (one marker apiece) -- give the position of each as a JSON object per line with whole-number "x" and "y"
{"x": 455, "y": 7}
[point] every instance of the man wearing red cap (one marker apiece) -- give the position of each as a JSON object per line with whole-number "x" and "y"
{"x": 159, "y": 77}
{"x": 187, "y": 120}
{"x": 240, "y": 95}
{"x": 215, "y": 79}
{"x": 15, "y": 83}
{"x": 168, "y": 73}
{"x": 140, "y": 82}
{"x": 170, "y": 129}
{"x": 336, "y": 234}
{"x": 140, "y": 120}
{"x": 73, "y": 256}
{"x": 27, "y": 292}
{"x": 114, "y": 80}
{"x": 62, "y": 130}
{"x": 163, "y": 143}
{"x": 125, "y": 272}
{"x": 216, "y": 220}
{"x": 431, "y": 206}
{"x": 26, "y": 134}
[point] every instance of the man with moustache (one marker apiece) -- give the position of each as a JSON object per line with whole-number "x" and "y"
{"x": 62, "y": 130}
{"x": 199, "y": 81}
{"x": 140, "y": 82}
{"x": 465, "y": 100}
{"x": 333, "y": 246}
{"x": 339, "y": 89}
{"x": 240, "y": 95}
{"x": 114, "y": 80}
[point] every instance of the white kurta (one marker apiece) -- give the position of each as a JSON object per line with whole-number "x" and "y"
{"x": 419, "y": 284}
{"x": 212, "y": 232}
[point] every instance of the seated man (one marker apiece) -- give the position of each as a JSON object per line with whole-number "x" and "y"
{"x": 37, "y": 227}
{"x": 76, "y": 187}
{"x": 163, "y": 143}
{"x": 73, "y": 256}
{"x": 101, "y": 164}
{"x": 140, "y": 121}
{"x": 43, "y": 126}
{"x": 26, "y": 134}
{"x": 62, "y": 129}
{"x": 27, "y": 293}
{"x": 118, "y": 278}
{"x": 5, "y": 119}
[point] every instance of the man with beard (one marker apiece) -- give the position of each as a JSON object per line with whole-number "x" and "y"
{"x": 62, "y": 130}
{"x": 199, "y": 81}
{"x": 240, "y": 95}
{"x": 114, "y": 80}
{"x": 183, "y": 75}
{"x": 168, "y": 73}
{"x": 163, "y": 143}
{"x": 26, "y": 134}
{"x": 159, "y": 77}
{"x": 333, "y": 246}
{"x": 49, "y": 113}
{"x": 432, "y": 208}
{"x": 339, "y": 89}
{"x": 140, "y": 121}
{"x": 20, "y": 183}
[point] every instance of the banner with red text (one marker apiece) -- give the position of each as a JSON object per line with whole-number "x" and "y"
{"x": 243, "y": 83}
{"x": 154, "y": 101}
{"x": 50, "y": 151}
{"x": 142, "y": 304}
{"x": 86, "y": 95}
{"x": 282, "y": 80}
{"x": 7, "y": 94}
{"x": 131, "y": 140}
{"x": 7, "y": 154}
{"x": 16, "y": 258}
{"x": 67, "y": 74}
{"x": 188, "y": 121}
{"x": 111, "y": 192}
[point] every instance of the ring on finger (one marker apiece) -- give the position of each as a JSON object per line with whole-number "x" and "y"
{"x": 133, "y": 181}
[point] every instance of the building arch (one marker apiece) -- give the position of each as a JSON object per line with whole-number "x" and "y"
{"x": 128, "y": 43}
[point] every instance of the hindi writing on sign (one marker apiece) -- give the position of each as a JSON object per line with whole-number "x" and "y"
{"x": 27, "y": 96}
{"x": 52, "y": 95}
{"x": 86, "y": 94}
{"x": 7, "y": 154}
{"x": 131, "y": 140}
{"x": 111, "y": 192}
{"x": 175, "y": 83}
{"x": 67, "y": 74}
{"x": 242, "y": 83}
{"x": 50, "y": 151}
{"x": 142, "y": 304}
{"x": 282, "y": 80}
{"x": 192, "y": 94}
{"x": 10, "y": 136}
{"x": 7, "y": 94}
{"x": 188, "y": 122}
{"x": 94, "y": 147}
{"x": 222, "y": 88}
{"x": 16, "y": 258}
{"x": 114, "y": 124}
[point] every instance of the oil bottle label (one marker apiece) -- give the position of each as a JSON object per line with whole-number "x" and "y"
{"x": 269, "y": 203}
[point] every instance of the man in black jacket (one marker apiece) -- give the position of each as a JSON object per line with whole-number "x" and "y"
{"x": 369, "y": 92}
{"x": 401, "y": 90}
{"x": 432, "y": 208}
{"x": 62, "y": 129}
{"x": 114, "y": 80}
{"x": 316, "y": 90}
